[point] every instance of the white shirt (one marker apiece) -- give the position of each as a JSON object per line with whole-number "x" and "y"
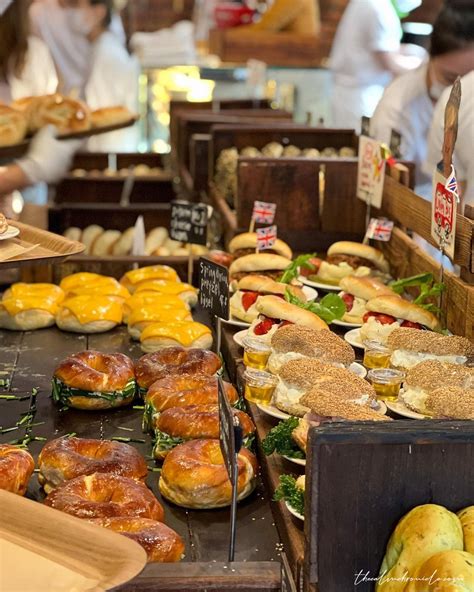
{"x": 406, "y": 108}
{"x": 463, "y": 159}
{"x": 366, "y": 27}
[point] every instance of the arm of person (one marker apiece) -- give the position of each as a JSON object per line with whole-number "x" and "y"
{"x": 396, "y": 62}
{"x": 12, "y": 177}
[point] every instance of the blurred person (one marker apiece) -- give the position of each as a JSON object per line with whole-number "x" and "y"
{"x": 463, "y": 159}
{"x": 408, "y": 103}
{"x": 55, "y": 21}
{"x": 365, "y": 56}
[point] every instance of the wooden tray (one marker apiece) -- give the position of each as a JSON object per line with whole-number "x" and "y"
{"x": 48, "y": 247}
{"x": 43, "y": 550}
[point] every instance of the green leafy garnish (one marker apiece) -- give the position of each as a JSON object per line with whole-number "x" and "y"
{"x": 61, "y": 393}
{"x": 399, "y": 286}
{"x": 279, "y": 439}
{"x": 428, "y": 289}
{"x": 164, "y": 442}
{"x": 329, "y": 308}
{"x": 293, "y": 270}
{"x": 290, "y": 493}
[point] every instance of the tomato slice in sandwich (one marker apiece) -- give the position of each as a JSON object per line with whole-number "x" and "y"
{"x": 411, "y": 325}
{"x": 316, "y": 263}
{"x": 348, "y": 301}
{"x": 263, "y": 327}
{"x": 249, "y": 298}
{"x": 383, "y": 319}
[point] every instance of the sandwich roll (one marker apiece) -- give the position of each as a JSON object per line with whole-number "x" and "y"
{"x": 267, "y": 264}
{"x": 357, "y": 255}
{"x": 451, "y": 402}
{"x": 104, "y": 243}
{"x": 89, "y": 236}
{"x": 134, "y": 278}
{"x": 246, "y": 244}
{"x": 187, "y": 293}
{"x": 89, "y": 314}
{"x": 123, "y": 246}
{"x": 356, "y": 292}
{"x": 140, "y": 318}
{"x": 155, "y": 239}
{"x": 187, "y": 334}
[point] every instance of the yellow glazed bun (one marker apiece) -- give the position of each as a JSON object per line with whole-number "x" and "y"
{"x": 140, "y": 318}
{"x": 79, "y": 280}
{"x": 178, "y": 333}
{"x": 132, "y": 279}
{"x": 145, "y": 299}
{"x": 186, "y": 292}
{"x": 85, "y": 314}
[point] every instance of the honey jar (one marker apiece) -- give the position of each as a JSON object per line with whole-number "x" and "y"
{"x": 386, "y": 382}
{"x": 376, "y": 355}
{"x": 259, "y": 386}
{"x": 256, "y": 353}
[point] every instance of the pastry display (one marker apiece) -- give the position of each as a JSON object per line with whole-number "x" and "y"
{"x": 173, "y": 361}
{"x": 94, "y": 381}
{"x": 89, "y": 314}
{"x": 161, "y": 543}
{"x": 66, "y": 458}
{"x": 185, "y": 292}
{"x": 26, "y": 307}
{"x": 103, "y": 495}
{"x": 187, "y": 334}
{"x": 183, "y": 390}
{"x": 194, "y": 475}
{"x": 176, "y": 425}
{"x": 246, "y": 244}
{"x": 16, "y": 468}
{"x": 356, "y": 291}
{"x": 142, "y": 317}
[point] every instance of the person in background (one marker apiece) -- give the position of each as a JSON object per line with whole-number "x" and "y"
{"x": 55, "y": 22}
{"x": 408, "y": 103}
{"x": 463, "y": 159}
{"x": 27, "y": 69}
{"x": 365, "y": 56}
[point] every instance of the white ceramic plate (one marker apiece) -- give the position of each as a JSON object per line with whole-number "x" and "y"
{"x": 297, "y": 461}
{"x": 400, "y": 408}
{"x": 294, "y": 512}
{"x": 358, "y": 369}
{"x": 272, "y": 411}
{"x": 346, "y": 324}
{"x": 310, "y": 293}
{"x": 353, "y": 337}
{"x": 240, "y": 336}
{"x": 11, "y": 232}
{"x": 236, "y": 322}
{"x": 319, "y": 285}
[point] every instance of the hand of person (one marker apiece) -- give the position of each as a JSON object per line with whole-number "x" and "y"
{"x": 48, "y": 159}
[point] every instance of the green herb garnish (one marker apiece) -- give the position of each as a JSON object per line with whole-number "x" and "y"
{"x": 293, "y": 270}
{"x": 427, "y": 286}
{"x": 290, "y": 493}
{"x": 279, "y": 439}
{"x": 329, "y": 308}
{"x": 61, "y": 393}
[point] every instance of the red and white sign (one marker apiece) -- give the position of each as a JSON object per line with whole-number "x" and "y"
{"x": 266, "y": 237}
{"x": 263, "y": 212}
{"x": 370, "y": 172}
{"x": 379, "y": 229}
{"x": 443, "y": 215}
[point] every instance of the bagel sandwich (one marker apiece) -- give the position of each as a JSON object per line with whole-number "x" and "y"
{"x": 89, "y": 314}
{"x": 187, "y": 334}
{"x": 186, "y": 292}
{"x": 132, "y": 279}
{"x": 155, "y": 299}
{"x": 249, "y": 288}
{"x": 79, "y": 280}
{"x": 356, "y": 291}
{"x": 101, "y": 286}
{"x": 140, "y": 318}
{"x": 265, "y": 264}
{"x": 246, "y": 244}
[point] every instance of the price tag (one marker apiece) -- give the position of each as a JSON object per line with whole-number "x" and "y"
{"x": 443, "y": 215}
{"x": 370, "y": 172}
{"x": 287, "y": 580}
{"x": 189, "y": 223}
{"x": 214, "y": 288}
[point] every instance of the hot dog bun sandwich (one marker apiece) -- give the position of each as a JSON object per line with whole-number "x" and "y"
{"x": 412, "y": 346}
{"x": 293, "y": 342}
{"x": 386, "y": 313}
{"x": 246, "y": 244}
{"x": 26, "y": 307}
{"x": 275, "y": 312}
{"x": 249, "y": 288}
{"x": 187, "y": 334}
{"x": 266, "y": 264}
{"x": 89, "y": 314}
{"x": 422, "y": 382}
{"x": 186, "y": 292}
{"x": 349, "y": 258}
{"x": 132, "y": 279}
{"x": 356, "y": 291}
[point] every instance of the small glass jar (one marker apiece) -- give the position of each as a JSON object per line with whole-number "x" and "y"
{"x": 386, "y": 382}
{"x": 259, "y": 386}
{"x": 376, "y": 355}
{"x": 256, "y": 353}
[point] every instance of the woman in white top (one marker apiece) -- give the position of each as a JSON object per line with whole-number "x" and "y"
{"x": 365, "y": 55}
{"x": 408, "y": 103}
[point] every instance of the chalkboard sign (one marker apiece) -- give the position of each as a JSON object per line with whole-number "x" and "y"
{"x": 188, "y": 223}
{"x": 214, "y": 288}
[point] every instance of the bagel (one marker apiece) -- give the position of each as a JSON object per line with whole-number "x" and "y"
{"x": 194, "y": 475}
{"x": 146, "y": 299}
{"x": 13, "y": 126}
{"x": 161, "y": 543}
{"x": 66, "y": 458}
{"x": 124, "y": 244}
{"x": 188, "y": 334}
{"x": 186, "y": 292}
{"x": 102, "y": 495}
{"x": 16, "y": 468}
{"x": 175, "y": 425}
{"x": 142, "y": 317}
{"x": 79, "y": 280}
{"x": 68, "y": 115}
{"x": 26, "y": 307}
{"x": 181, "y": 391}
{"x": 173, "y": 361}
{"x": 102, "y": 286}
{"x": 114, "y": 115}
{"x": 132, "y": 279}
{"x": 95, "y": 381}
{"x": 104, "y": 244}
{"x": 89, "y": 314}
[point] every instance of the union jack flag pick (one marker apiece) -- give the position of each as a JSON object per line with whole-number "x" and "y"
{"x": 379, "y": 229}
{"x": 266, "y": 237}
{"x": 452, "y": 184}
{"x": 263, "y": 212}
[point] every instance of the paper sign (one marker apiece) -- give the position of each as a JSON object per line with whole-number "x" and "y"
{"x": 263, "y": 212}
{"x": 379, "y": 229}
{"x": 266, "y": 237}
{"x": 443, "y": 215}
{"x": 138, "y": 243}
{"x": 189, "y": 222}
{"x": 370, "y": 172}
{"x": 214, "y": 288}
{"x": 256, "y": 77}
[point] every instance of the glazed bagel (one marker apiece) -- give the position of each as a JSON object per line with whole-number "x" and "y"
{"x": 178, "y": 424}
{"x": 93, "y": 380}
{"x": 16, "y": 468}
{"x": 103, "y": 495}
{"x": 161, "y": 543}
{"x": 194, "y": 475}
{"x": 86, "y": 313}
{"x": 172, "y": 361}
{"x": 66, "y": 458}
{"x": 183, "y": 390}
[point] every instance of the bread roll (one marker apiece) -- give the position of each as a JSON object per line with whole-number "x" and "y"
{"x": 104, "y": 243}
{"x": 68, "y": 115}
{"x": 364, "y": 287}
{"x": 421, "y": 533}
{"x": 259, "y": 262}
{"x": 27, "y": 106}
{"x": 73, "y": 233}
{"x": 466, "y": 517}
{"x": 360, "y": 250}
{"x": 124, "y": 244}
{"x": 132, "y": 279}
{"x": 186, "y": 292}
{"x": 145, "y": 299}
{"x": 402, "y": 309}
{"x": 276, "y": 308}
{"x": 187, "y": 334}
{"x": 140, "y": 318}
{"x": 26, "y": 307}
{"x": 13, "y": 126}
{"x": 80, "y": 279}
{"x": 155, "y": 239}
{"x": 89, "y": 235}
{"x": 110, "y": 116}
{"x": 448, "y": 571}
{"x": 247, "y": 241}
{"x": 89, "y": 314}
